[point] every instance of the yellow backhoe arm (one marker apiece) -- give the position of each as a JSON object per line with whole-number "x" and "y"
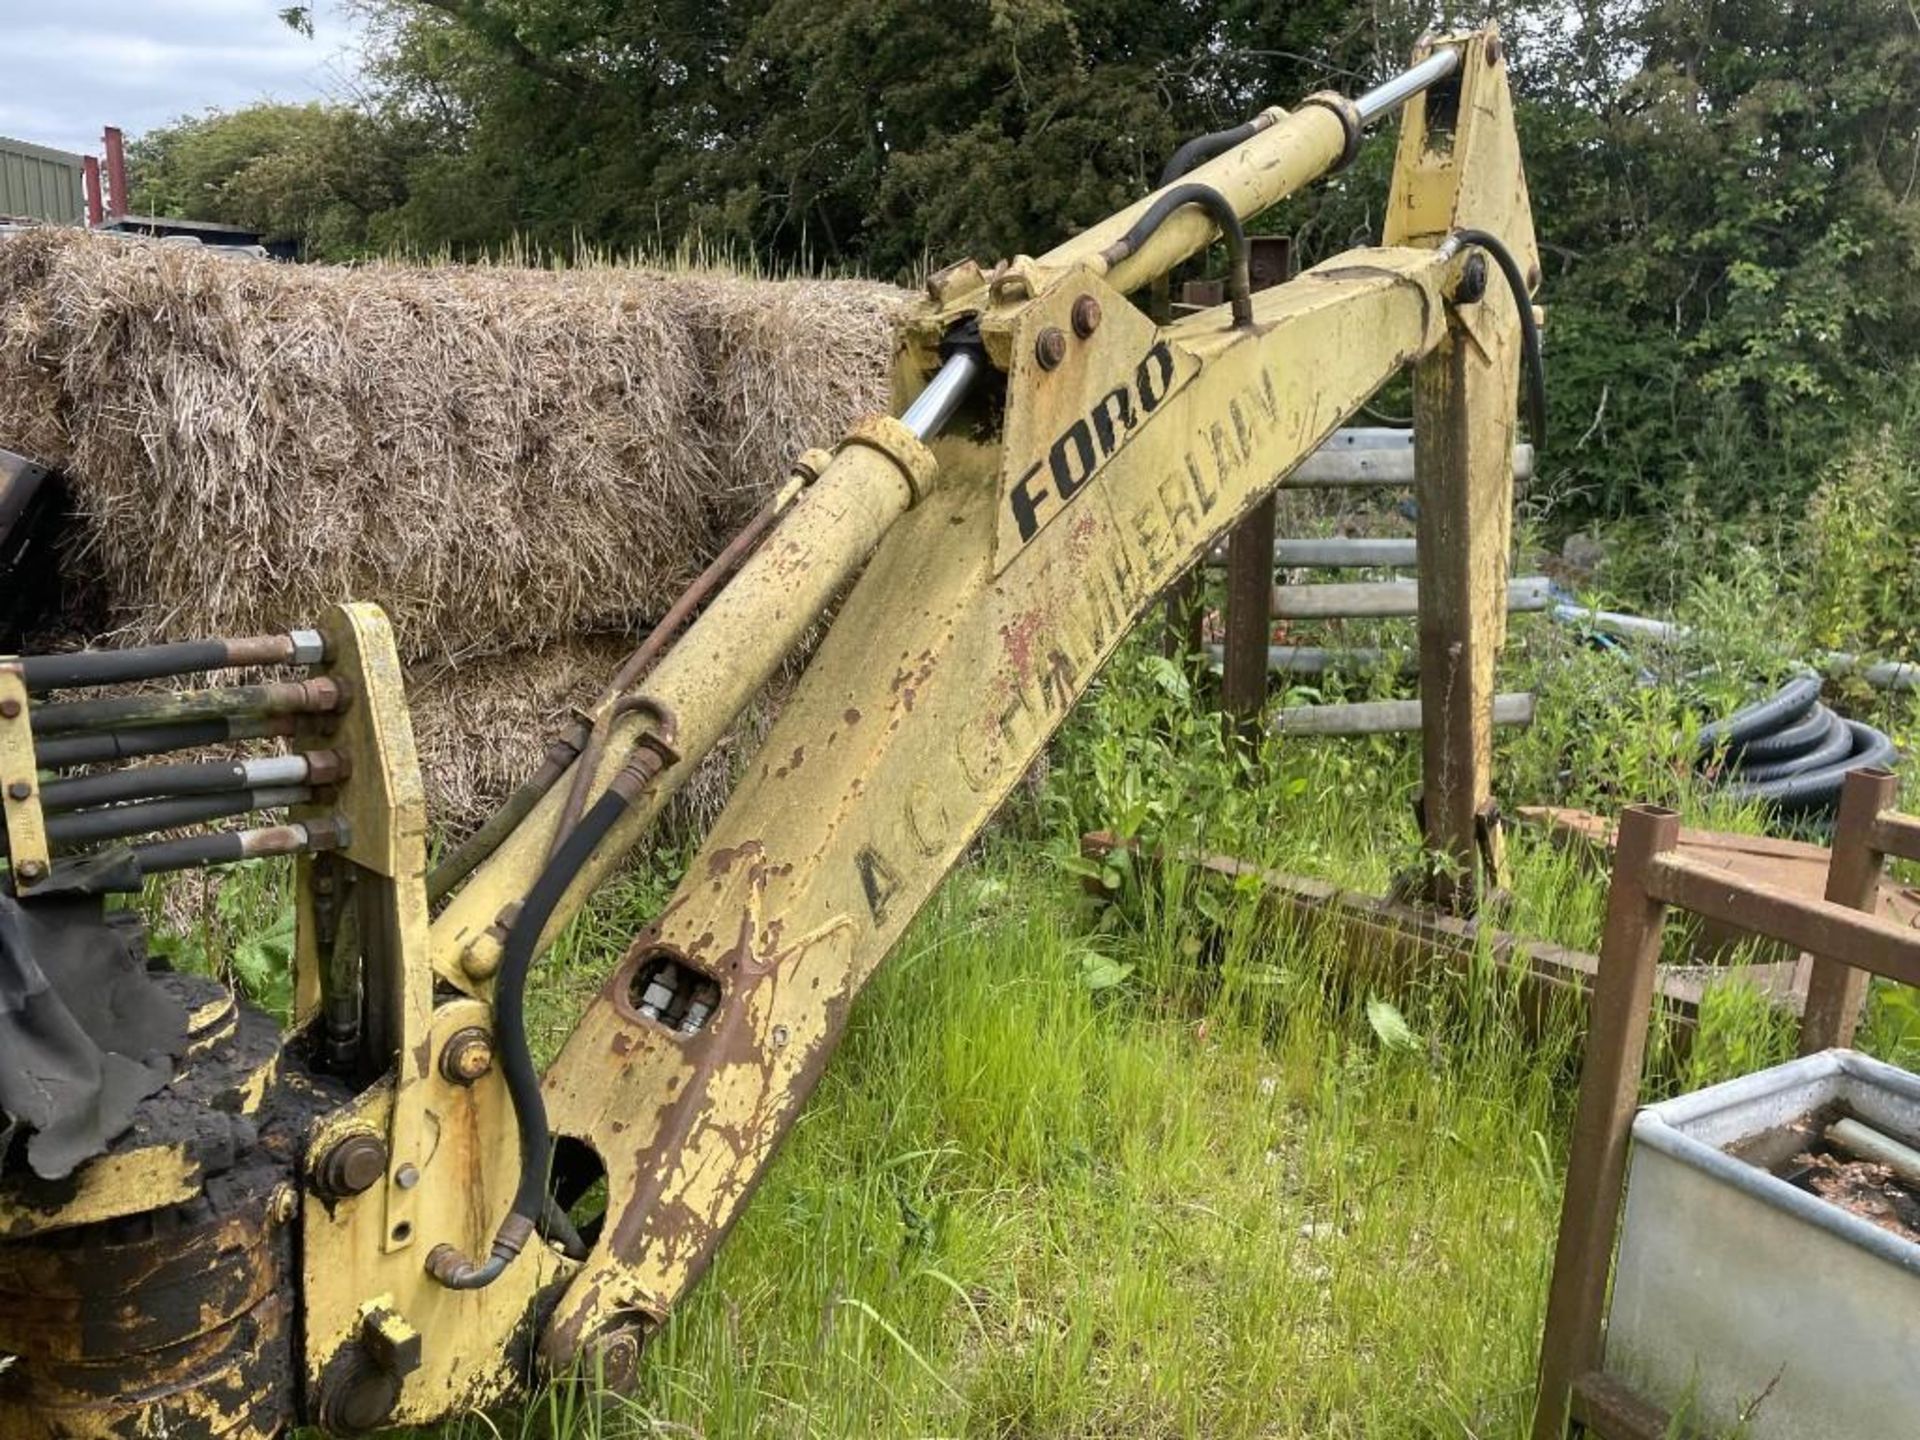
{"x": 1060, "y": 460}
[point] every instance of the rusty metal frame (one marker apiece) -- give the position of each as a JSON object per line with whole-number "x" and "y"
{"x": 1865, "y": 833}
{"x": 1649, "y": 878}
{"x": 1388, "y": 942}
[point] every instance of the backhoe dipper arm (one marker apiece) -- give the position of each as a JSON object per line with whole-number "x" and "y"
{"x": 983, "y": 614}
{"x": 1088, "y": 459}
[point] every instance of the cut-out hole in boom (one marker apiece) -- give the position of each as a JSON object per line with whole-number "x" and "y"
{"x": 667, "y": 990}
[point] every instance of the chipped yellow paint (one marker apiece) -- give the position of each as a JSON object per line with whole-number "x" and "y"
{"x": 465, "y": 1185}
{"x": 987, "y": 588}
{"x": 26, "y": 826}
{"x": 150, "y": 1178}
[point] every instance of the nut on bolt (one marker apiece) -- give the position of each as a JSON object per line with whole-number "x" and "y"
{"x": 1050, "y": 347}
{"x": 1086, "y": 316}
{"x": 467, "y": 1055}
{"x": 20, "y": 790}
{"x": 1471, "y": 287}
{"x": 352, "y": 1165}
{"x": 30, "y": 870}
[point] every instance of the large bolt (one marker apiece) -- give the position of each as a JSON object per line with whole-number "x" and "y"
{"x": 613, "y": 1359}
{"x": 351, "y": 1166}
{"x": 1086, "y": 316}
{"x": 1050, "y": 348}
{"x": 20, "y": 790}
{"x": 9, "y": 709}
{"x": 467, "y": 1056}
{"x": 30, "y": 870}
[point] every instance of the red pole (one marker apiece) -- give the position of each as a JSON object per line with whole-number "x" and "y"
{"x": 116, "y": 171}
{"x": 96, "y": 209}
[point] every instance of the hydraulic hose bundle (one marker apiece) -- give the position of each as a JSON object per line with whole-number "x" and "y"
{"x": 1790, "y": 751}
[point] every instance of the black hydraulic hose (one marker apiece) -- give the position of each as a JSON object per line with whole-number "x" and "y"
{"x": 1220, "y": 210}
{"x": 79, "y": 668}
{"x": 144, "y": 817}
{"x": 1530, "y": 354}
{"x": 530, "y": 1199}
{"x": 1763, "y": 717}
{"x": 1819, "y": 789}
{"x": 1789, "y": 742}
{"x": 64, "y": 750}
{"x": 516, "y": 1057}
{"x": 1202, "y": 148}
{"x": 1835, "y": 745}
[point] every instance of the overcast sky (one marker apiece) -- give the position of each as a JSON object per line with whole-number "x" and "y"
{"x": 69, "y": 67}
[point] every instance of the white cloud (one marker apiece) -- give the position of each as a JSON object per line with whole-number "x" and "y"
{"x": 73, "y": 68}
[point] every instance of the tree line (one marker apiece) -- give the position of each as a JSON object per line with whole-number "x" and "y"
{"x": 1725, "y": 190}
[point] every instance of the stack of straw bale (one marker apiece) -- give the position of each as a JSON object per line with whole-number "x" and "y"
{"x": 523, "y": 466}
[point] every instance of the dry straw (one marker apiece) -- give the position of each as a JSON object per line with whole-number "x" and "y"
{"x": 523, "y": 466}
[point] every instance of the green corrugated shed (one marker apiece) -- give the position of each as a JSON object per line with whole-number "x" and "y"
{"x": 40, "y": 184}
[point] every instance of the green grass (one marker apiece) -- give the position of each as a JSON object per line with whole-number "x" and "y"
{"x": 1207, "y": 1198}
{"x": 1149, "y": 1168}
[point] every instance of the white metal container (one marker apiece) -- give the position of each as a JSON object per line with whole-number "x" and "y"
{"x": 1739, "y": 1297}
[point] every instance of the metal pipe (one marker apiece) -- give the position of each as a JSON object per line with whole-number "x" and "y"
{"x": 294, "y": 697}
{"x": 1392, "y": 94}
{"x": 927, "y": 416}
{"x": 322, "y": 767}
{"x": 116, "y": 822}
{"x": 1386, "y": 599}
{"x": 1384, "y": 717}
{"x": 1865, "y": 1143}
{"x": 154, "y": 662}
{"x": 64, "y": 750}
{"x": 1335, "y": 554}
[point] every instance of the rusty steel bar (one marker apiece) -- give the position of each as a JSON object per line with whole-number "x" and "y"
{"x": 1895, "y": 835}
{"x": 1835, "y": 989}
{"x": 1612, "y": 1410}
{"x": 636, "y": 666}
{"x": 1243, "y": 676}
{"x": 467, "y": 855}
{"x": 1610, "y": 1074}
{"x": 291, "y": 697}
{"x": 1817, "y": 926}
{"x": 61, "y": 751}
{"x": 154, "y": 662}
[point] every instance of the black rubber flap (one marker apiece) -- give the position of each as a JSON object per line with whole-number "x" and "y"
{"x": 85, "y": 1035}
